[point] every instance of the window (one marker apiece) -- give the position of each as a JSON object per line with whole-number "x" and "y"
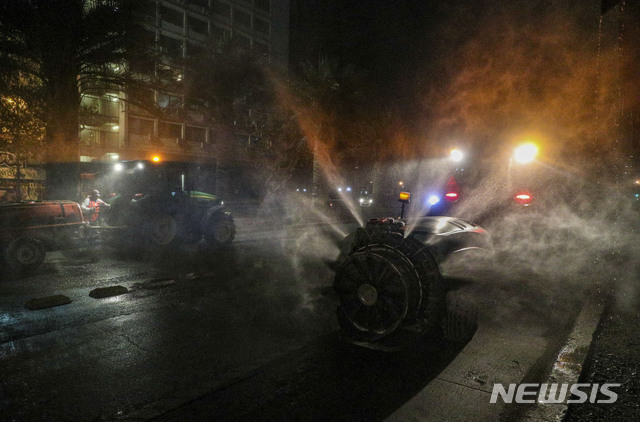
{"x": 110, "y": 106}
{"x": 196, "y": 50}
{"x": 261, "y": 26}
{"x": 141, "y": 95}
{"x": 172, "y": 46}
{"x": 221, "y": 8}
{"x": 89, "y": 137}
{"x": 241, "y": 18}
{"x": 261, "y": 49}
{"x": 172, "y": 16}
{"x": 169, "y": 101}
{"x": 264, "y": 5}
{"x": 169, "y": 130}
{"x": 219, "y": 33}
{"x": 197, "y": 25}
{"x": 101, "y": 138}
{"x": 140, "y": 126}
{"x": 242, "y": 41}
{"x": 196, "y": 134}
{"x": 110, "y": 140}
{"x": 201, "y": 3}
{"x": 91, "y": 104}
{"x": 169, "y": 73}
{"x": 141, "y": 64}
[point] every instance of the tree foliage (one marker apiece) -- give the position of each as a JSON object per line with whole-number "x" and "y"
{"x": 68, "y": 48}
{"x": 254, "y": 129}
{"x": 21, "y": 131}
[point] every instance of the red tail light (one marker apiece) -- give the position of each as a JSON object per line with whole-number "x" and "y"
{"x": 523, "y": 198}
{"x": 451, "y": 196}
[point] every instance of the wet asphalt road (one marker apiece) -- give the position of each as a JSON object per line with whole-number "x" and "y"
{"x": 249, "y": 334}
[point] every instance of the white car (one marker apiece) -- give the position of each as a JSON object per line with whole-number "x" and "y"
{"x": 365, "y": 201}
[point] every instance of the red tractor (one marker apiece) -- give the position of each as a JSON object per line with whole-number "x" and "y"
{"x": 29, "y": 229}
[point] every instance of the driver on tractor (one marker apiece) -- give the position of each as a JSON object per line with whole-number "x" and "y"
{"x": 91, "y": 207}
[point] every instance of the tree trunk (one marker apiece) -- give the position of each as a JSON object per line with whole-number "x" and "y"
{"x": 62, "y": 117}
{"x": 224, "y": 160}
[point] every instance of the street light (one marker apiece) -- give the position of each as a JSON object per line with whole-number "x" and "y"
{"x": 433, "y": 199}
{"x": 525, "y": 153}
{"x": 456, "y": 155}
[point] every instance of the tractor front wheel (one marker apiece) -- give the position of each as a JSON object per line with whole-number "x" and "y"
{"x": 220, "y": 230}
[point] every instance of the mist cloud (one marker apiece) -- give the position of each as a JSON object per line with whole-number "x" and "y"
{"x": 529, "y": 69}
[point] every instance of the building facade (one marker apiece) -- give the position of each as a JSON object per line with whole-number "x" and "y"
{"x": 112, "y": 129}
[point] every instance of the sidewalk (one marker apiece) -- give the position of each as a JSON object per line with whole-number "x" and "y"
{"x": 614, "y": 357}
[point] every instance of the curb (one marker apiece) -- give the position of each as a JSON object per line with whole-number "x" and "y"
{"x": 570, "y": 360}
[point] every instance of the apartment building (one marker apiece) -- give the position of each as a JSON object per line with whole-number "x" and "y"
{"x": 113, "y": 130}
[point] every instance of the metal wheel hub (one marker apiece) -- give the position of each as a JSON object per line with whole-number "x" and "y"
{"x": 367, "y": 294}
{"x": 373, "y": 292}
{"x": 26, "y": 254}
{"x": 164, "y": 230}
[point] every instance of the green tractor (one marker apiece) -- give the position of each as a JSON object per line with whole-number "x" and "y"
{"x": 166, "y": 204}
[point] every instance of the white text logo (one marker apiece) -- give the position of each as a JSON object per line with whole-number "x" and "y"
{"x": 555, "y": 393}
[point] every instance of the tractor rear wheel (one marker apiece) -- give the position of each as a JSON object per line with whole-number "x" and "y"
{"x": 163, "y": 230}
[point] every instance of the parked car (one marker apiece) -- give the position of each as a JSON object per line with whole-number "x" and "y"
{"x": 29, "y": 229}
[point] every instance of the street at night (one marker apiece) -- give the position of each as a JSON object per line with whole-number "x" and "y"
{"x": 249, "y": 333}
{"x": 319, "y": 210}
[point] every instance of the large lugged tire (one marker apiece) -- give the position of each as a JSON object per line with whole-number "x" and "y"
{"x": 460, "y": 321}
{"x": 24, "y": 254}
{"x": 376, "y": 289}
{"x": 162, "y": 230}
{"x": 220, "y": 230}
{"x": 389, "y": 283}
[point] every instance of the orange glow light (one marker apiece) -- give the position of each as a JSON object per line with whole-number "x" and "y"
{"x": 405, "y": 196}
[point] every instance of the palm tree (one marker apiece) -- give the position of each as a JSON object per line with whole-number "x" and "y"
{"x": 69, "y": 48}
{"x": 328, "y": 95}
{"x": 231, "y": 82}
